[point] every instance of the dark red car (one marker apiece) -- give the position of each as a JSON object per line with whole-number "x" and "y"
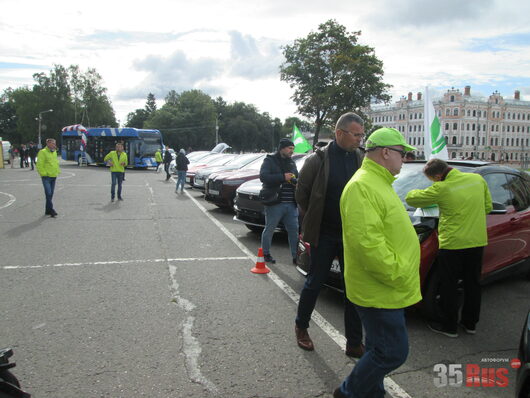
{"x": 508, "y": 249}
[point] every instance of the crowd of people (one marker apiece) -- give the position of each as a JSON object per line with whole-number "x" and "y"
{"x": 351, "y": 211}
{"x": 26, "y": 154}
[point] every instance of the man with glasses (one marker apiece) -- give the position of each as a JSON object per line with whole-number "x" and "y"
{"x": 320, "y": 185}
{"x": 381, "y": 259}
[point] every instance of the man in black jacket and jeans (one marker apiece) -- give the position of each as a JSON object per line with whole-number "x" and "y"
{"x": 167, "y": 161}
{"x": 278, "y": 174}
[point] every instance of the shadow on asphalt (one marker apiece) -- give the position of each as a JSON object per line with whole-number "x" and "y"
{"x": 110, "y": 206}
{"x": 17, "y": 231}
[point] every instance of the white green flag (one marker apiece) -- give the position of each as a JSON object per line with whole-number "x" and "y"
{"x": 300, "y": 143}
{"x": 435, "y": 144}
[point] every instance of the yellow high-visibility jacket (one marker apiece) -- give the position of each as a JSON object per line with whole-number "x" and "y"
{"x": 464, "y": 200}
{"x": 116, "y": 163}
{"x": 48, "y": 163}
{"x": 381, "y": 247}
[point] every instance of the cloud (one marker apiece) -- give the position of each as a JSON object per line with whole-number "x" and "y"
{"x": 176, "y": 72}
{"x": 118, "y": 38}
{"x": 251, "y": 59}
{"x": 507, "y": 42}
{"x": 422, "y": 13}
{"x": 13, "y": 65}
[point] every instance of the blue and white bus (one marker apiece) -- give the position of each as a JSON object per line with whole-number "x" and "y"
{"x": 94, "y": 143}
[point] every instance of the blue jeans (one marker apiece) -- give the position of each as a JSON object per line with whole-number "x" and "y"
{"x": 288, "y": 214}
{"x": 49, "y": 186}
{"x": 181, "y": 179}
{"x": 329, "y": 246}
{"x": 117, "y": 177}
{"x": 387, "y": 348}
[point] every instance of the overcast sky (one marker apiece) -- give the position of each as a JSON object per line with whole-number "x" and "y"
{"x": 232, "y": 48}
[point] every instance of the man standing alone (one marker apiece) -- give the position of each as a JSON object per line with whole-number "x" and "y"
{"x": 381, "y": 258}
{"x": 167, "y": 161}
{"x": 278, "y": 174}
{"x": 464, "y": 200}
{"x": 48, "y": 169}
{"x": 320, "y": 185}
{"x": 117, "y": 160}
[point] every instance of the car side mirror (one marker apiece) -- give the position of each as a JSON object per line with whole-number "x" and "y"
{"x": 498, "y": 208}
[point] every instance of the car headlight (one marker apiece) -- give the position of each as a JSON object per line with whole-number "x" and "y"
{"x": 233, "y": 182}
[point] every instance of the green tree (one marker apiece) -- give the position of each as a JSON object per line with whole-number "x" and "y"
{"x": 150, "y": 105}
{"x": 332, "y": 74}
{"x": 8, "y": 118}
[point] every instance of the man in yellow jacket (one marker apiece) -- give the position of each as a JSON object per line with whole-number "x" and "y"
{"x": 382, "y": 257}
{"x": 117, "y": 160}
{"x": 48, "y": 169}
{"x": 464, "y": 200}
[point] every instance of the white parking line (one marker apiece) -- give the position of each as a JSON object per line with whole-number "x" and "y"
{"x": 11, "y": 200}
{"x": 392, "y": 388}
{"x": 142, "y": 261}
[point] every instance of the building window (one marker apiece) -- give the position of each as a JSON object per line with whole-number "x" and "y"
{"x": 452, "y": 98}
{"x": 474, "y": 113}
{"x": 467, "y": 127}
{"x": 455, "y": 126}
{"x": 453, "y": 140}
{"x": 467, "y": 141}
{"x": 455, "y": 112}
{"x": 447, "y": 112}
{"x": 446, "y": 126}
{"x": 473, "y": 127}
{"x": 453, "y": 155}
{"x": 468, "y": 112}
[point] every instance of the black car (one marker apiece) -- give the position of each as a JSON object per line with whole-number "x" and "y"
{"x": 522, "y": 389}
{"x": 248, "y": 207}
{"x": 508, "y": 249}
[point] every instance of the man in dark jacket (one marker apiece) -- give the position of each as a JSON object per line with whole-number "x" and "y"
{"x": 32, "y": 152}
{"x": 278, "y": 174}
{"x": 182, "y": 166}
{"x": 167, "y": 161}
{"x": 318, "y": 192}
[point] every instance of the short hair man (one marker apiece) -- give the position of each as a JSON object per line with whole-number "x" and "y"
{"x": 278, "y": 173}
{"x": 48, "y": 169}
{"x": 381, "y": 256}
{"x": 117, "y": 160}
{"x": 320, "y": 185}
{"x": 464, "y": 200}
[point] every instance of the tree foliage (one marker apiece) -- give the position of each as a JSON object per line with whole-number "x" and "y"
{"x": 74, "y": 96}
{"x": 332, "y": 74}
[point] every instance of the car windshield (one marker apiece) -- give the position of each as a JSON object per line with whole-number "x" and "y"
{"x": 412, "y": 177}
{"x": 243, "y": 160}
{"x": 222, "y": 160}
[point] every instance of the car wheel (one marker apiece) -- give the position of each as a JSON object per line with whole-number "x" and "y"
{"x": 254, "y": 228}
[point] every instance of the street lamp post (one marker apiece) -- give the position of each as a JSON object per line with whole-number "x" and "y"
{"x": 40, "y": 120}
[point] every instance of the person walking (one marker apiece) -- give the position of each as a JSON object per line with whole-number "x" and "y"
{"x": 23, "y": 152}
{"x": 48, "y": 169}
{"x": 381, "y": 263}
{"x": 320, "y": 185}
{"x": 158, "y": 159}
{"x": 32, "y": 153}
{"x": 464, "y": 200}
{"x": 278, "y": 173}
{"x": 12, "y": 156}
{"x": 167, "y": 161}
{"x": 182, "y": 166}
{"x": 117, "y": 160}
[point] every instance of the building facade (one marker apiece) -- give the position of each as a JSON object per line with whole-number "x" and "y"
{"x": 475, "y": 127}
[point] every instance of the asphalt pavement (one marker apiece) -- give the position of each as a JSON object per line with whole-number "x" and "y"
{"x": 153, "y": 296}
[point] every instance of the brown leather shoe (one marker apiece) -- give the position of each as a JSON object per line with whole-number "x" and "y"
{"x": 355, "y": 351}
{"x": 303, "y": 339}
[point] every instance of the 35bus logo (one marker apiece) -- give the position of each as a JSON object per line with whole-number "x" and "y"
{"x": 475, "y": 376}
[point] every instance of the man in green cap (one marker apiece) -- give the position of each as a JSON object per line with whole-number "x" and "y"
{"x": 382, "y": 258}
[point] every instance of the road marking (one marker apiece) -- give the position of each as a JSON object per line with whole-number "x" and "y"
{"x": 391, "y": 387}
{"x": 11, "y": 200}
{"x": 139, "y": 261}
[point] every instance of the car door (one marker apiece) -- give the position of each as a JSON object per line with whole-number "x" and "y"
{"x": 520, "y": 219}
{"x": 501, "y": 243}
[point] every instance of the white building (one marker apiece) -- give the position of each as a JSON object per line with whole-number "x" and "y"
{"x": 474, "y": 127}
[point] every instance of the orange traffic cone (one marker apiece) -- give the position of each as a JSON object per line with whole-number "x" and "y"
{"x": 260, "y": 267}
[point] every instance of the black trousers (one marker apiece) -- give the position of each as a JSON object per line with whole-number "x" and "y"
{"x": 166, "y": 169}
{"x": 465, "y": 264}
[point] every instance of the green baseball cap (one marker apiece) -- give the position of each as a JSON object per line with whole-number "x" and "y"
{"x": 387, "y": 136}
